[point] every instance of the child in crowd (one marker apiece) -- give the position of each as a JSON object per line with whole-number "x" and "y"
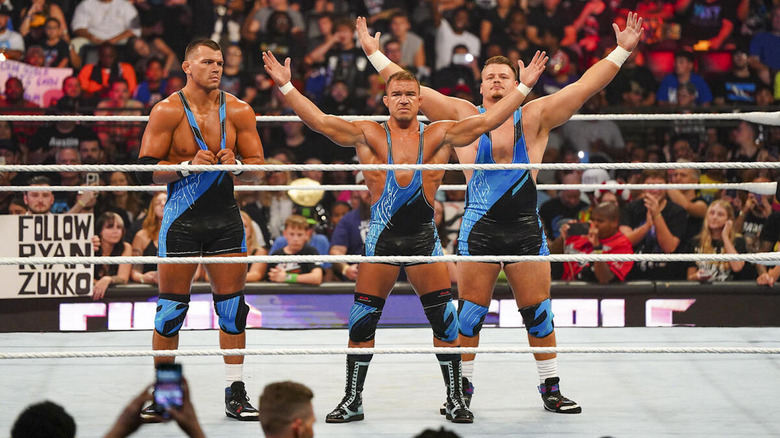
{"x": 296, "y": 231}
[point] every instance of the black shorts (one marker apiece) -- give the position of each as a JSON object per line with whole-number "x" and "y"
{"x": 488, "y": 237}
{"x": 392, "y": 242}
{"x": 193, "y": 235}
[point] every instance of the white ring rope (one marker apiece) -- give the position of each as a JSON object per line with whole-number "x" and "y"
{"x": 760, "y": 188}
{"x": 763, "y": 118}
{"x": 421, "y": 350}
{"x": 761, "y": 257}
{"x": 357, "y": 167}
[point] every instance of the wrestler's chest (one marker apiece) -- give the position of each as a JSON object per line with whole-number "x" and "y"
{"x": 184, "y": 139}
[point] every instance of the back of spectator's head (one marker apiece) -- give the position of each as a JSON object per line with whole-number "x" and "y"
{"x": 286, "y": 405}
{"x": 44, "y": 420}
{"x": 441, "y": 433}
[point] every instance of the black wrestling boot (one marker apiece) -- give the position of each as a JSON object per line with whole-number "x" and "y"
{"x": 237, "y": 403}
{"x": 554, "y": 401}
{"x": 468, "y": 392}
{"x": 351, "y": 406}
{"x": 456, "y": 409}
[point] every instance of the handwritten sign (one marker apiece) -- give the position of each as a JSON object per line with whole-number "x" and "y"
{"x": 37, "y": 80}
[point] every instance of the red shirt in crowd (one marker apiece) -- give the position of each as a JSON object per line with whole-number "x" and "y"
{"x": 615, "y": 244}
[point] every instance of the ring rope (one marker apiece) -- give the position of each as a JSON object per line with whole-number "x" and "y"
{"x": 359, "y": 167}
{"x": 760, "y": 188}
{"x": 422, "y": 350}
{"x": 761, "y": 257}
{"x": 763, "y": 118}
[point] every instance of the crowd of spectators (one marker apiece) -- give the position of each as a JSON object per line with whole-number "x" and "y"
{"x": 697, "y": 54}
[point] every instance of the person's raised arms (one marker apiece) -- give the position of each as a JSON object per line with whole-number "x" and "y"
{"x": 342, "y": 132}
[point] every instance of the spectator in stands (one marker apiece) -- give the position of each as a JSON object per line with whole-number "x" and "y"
{"x": 39, "y": 202}
{"x": 108, "y": 241}
{"x": 34, "y": 56}
{"x": 339, "y": 99}
{"x": 690, "y": 200}
{"x": 13, "y": 97}
{"x": 61, "y": 134}
{"x": 11, "y": 42}
{"x": 683, "y": 73}
{"x": 286, "y": 410}
{"x": 145, "y": 242}
{"x": 595, "y": 137}
{"x": 350, "y": 234}
{"x": 141, "y": 50}
{"x": 235, "y": 80}
{"x": 740, "y": 85}
{"x": 717, "y": 236}
{"x": 563, "y": 208}
{"x": 714, "y": 153}
{"x": 592, "y": 30}
{"x": 450, "y": 35}
{"x": 754, "y": 213}
{"x": 254, "y": 247}
{"x": 36, "y": 17}
{"x": 296, "y": 232}
{"x": 765, "y": 48}
{"x": 319, "y": 26}
{"x": 258, "y": 19}
{"x": 124, "y": 203}
{"x": 120, "y": 140}
{"x": 340, "y": 59}
{"x": 104, "y": 21}
{"x": 635, "y": 80}
{"x": 150, "y": 91}
{"x": 495, "y": 21}
{"x": 764, "y": 95}
{"x": 71, "y": 88}
{"x": 90, "y": 150}
{"x": 335, "y": 214}
{"x": 460, "y": 76}
{"x": 411, "y": 45}
{"x": 279, "y": 38}
{"x": 604, "y": 237}
{"x": 228, "y": 17}
{"x": 707, "y": 24}
{"x": 747, "y": 144}
{"x": 552, "y": 16}
{"x": 561, "y": 69}
{"x": 96, "y": 79}
{"x": 654, "y": 224}
{"x": 44, "y": 419}
{"x": 56, "y": 51}
{"x": 17, "y": 205}
{"x": 515, "y": 40}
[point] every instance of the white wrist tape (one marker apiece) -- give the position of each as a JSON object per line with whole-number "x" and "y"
{"x": 523, "y": 89}
{"x": 238, "y": 172}
{"x": 184, "y": 173}
{"x": 618, "y": 56}
{"x": 286, "y": 88}
{"x": 379, "y": 60}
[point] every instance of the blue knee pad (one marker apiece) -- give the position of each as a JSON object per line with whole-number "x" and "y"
{"x": 441, "y": 314}
{"x": 538, "y": 319}
{"x": 232, "y": 311}
{"x": 171, "y": 311}
{"x": 471, "y": 317}
{"x": 364, "y": 317}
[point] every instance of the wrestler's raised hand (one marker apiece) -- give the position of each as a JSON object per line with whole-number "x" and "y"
{"x": 370, "y": 44}
{"x": 204, "y": 157}
{"x": 226, "y": 156}
{"x": 281, "y": 74}
{"x": 530, "y": 74}
{"x": 629, "y": 37}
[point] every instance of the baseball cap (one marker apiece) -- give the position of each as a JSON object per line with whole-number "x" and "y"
{"x": 594, "y": 176}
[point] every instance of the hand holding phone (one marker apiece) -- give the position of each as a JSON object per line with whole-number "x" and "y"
{"x": 168, "y": 393}
{"x": 578, "y": 228}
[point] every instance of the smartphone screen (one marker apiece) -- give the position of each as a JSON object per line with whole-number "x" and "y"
{"x": 578, "y": 228}
{"x": 167, "y": 391}
{"x": 92, "y": 178}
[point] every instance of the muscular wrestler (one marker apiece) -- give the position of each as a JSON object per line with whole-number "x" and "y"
{"x": 401, "y": 215}
{"x": 501, "y": 216}
{"x": 202, "y": 125}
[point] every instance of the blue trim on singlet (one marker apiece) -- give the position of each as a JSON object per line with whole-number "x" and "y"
{"x": 183, "y": 193}
{"x": 486, "y": 187}
{"x": 394, "y": 196}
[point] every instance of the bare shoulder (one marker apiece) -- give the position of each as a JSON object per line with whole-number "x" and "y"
{"x": 238, "y": 110}
{"x": 168, "y": 108}
{"x": 532, "y": 112}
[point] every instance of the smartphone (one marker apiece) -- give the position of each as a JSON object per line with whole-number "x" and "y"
{"x": 578, "y": 228}
{"x": 168, "y": 393}
{"x": 92, "y": 179}
{"x": 462, "y": 58}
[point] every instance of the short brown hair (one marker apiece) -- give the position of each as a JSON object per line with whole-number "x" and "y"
{"x": 403, "y": 75}
{"x": 296, "y": 221}
{"x": 191, "y": 47}
{"x": 655, "y": 173}
{"x": 281, "y": 403}
{"x": 501, "y": 60}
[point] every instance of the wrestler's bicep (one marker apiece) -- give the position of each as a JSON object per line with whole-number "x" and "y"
{"x": 437, "y": 106}
{"x": 158, "y": 134}
{"x": 248, "y": 143}
{"x": 342, "y": 132}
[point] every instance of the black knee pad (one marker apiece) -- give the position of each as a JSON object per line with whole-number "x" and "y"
{"x": 171, "y": 311}
{"x": 232, "y": 311}
{"x": 441, "y": 314}
{"x": 470, "y": 317}
{"x": 538, "y": 319}
{"x": 364, "y": 317}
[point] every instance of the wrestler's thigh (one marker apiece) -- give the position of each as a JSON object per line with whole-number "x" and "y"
{"x": 476, "y": 281}
{"x": 530, "y": 282}
{"x": 227, "y": 278}
{"x": 376, "y": 279}
{"x": 175, "y": 278}
{"x": 428, "y": 277}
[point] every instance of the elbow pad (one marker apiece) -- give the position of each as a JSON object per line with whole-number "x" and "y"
{"x": 146, "y": 178}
